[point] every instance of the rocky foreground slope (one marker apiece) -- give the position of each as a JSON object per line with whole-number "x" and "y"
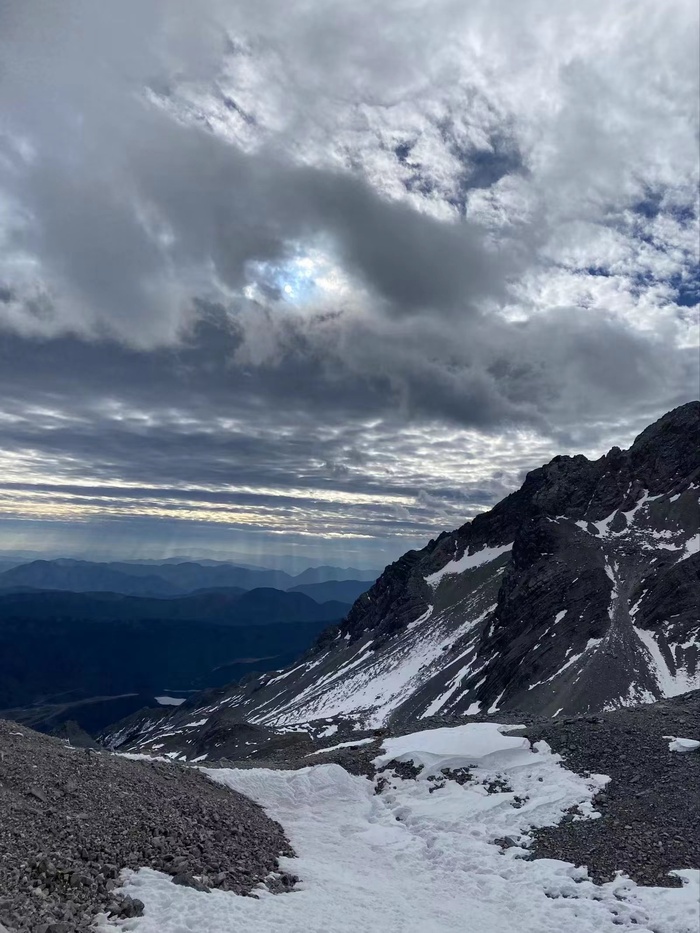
{"x": 71, "y": 819}
{"x": 577, "y": 593}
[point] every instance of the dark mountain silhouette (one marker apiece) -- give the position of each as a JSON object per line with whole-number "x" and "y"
{"x": 347, "y": 591}
{"x": 170, "y": 578}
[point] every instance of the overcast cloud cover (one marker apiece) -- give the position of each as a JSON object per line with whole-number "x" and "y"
{"x": 326, "y": 277}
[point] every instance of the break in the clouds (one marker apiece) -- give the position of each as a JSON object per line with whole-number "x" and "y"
{"x": 327, "y": 272}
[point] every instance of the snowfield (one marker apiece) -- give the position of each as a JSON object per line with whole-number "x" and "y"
{"x": 420, "y": 856}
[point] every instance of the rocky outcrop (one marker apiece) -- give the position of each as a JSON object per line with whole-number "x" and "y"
{"x": 398, "y": 597}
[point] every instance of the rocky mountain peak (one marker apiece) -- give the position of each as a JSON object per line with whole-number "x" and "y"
{"x": 667, "y": 451}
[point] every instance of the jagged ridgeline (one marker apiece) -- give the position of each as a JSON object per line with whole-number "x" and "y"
{"x": 579, "y": 592}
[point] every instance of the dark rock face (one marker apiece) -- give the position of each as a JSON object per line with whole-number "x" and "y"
{"x": 577, "y": 593}
{"x": 398, "y": 597}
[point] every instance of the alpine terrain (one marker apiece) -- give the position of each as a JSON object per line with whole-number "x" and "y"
{"x": 576, "y": 594}
{"x": 327, "y": 603}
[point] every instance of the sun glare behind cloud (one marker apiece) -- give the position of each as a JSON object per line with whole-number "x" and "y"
{"x": 306, "y": 279}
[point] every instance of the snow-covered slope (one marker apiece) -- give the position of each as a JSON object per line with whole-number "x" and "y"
{"x": 577, "y": 593}
{"x": 422, "y": 856}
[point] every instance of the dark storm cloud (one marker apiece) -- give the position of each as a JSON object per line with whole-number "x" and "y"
{"x": 126, "y": 209}
{"x": 130, "y": 213}
{"x": 161, "y": 413}
{"x": 219, "y": 208}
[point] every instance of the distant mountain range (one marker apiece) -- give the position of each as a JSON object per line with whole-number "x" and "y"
{"x": 173, "y": 578}
{"x": 347, "y": 591}
{"x": 227, "y": 607}
{"x": 94, "y": 641}
{"x": 578, "y": 593}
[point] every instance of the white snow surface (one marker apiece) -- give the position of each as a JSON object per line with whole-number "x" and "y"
{"x": 328, "y": 731}
{"x": 670, "y": 683}
{"x": 411, "y": 861}
{"x": 333, "y": 748}
{"x": 169, "y": 701}
{"x": 452, "y": 688}
{"x": 456, "y": 746}
{"x": 682, "y": 745}
{"x": 371, "y": 684}
{"x": 468, "y": 562}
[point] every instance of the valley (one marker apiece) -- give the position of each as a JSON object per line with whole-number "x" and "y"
{"x": 95, "y": 657}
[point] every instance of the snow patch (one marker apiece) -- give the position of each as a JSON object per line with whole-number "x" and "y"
{"x": 682, "y": 745}
{"x": 468, "y": 562}
{"x": 611, "y": 573}
{"x": 494, "y": 706}
{"x": 452, "y": 687}
{"x": 169, "y": 701}
{"x": 603, "y": 526}
{"x": 332, "y": 748}
{"x": 328, "y": 732}
{"x": 457, "y": 746}
{"x": 420, "y": 620}
{"x": 670, "y": 684}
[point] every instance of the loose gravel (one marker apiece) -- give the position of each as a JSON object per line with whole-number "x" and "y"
{"x": 650, "y": 821}
{"x": 71, "y": 819}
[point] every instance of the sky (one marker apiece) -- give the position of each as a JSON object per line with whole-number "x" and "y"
{"x": 320, "y": 280}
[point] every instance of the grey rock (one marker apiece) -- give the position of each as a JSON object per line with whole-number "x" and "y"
{"x": 187, "y": 880}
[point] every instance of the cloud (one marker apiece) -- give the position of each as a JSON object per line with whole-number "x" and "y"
{"x": 125, "y": 215}
{"x": 493, "y": 208}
